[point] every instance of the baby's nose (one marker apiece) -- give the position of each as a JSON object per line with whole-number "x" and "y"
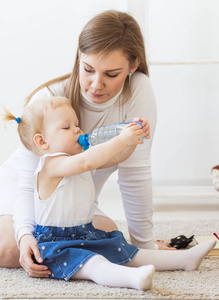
{"x": 77, "y": 130}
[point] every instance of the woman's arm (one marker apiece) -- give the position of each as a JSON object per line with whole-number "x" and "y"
{"x": 24, "y": 205}
{"x": 24, "y": 223}
{"x": 135, "y": 173}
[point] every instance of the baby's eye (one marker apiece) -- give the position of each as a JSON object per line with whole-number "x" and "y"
{"x": 67, "y": 127}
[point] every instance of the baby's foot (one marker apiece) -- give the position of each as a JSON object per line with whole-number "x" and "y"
{"x": 196, "y": 254}
{"x": 144, "y": 277}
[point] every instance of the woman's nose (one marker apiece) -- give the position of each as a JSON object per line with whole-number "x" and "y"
{"x": 97, "y": 82}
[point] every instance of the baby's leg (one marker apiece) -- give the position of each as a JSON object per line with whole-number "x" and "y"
{"x": 164, "y": 260}
{"x": 102, "y": 271}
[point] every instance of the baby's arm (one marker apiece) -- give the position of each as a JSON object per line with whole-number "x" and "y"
{"x": 97, "y": 156}
{"x": 129, "y": 150}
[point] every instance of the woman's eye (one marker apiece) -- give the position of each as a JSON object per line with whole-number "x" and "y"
{"x": 88, "y": 70}
{"x": 112, "y": 76}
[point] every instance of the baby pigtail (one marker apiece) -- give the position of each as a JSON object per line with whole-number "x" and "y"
{"x": 8, "y": 116}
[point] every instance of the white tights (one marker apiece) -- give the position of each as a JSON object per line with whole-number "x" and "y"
{"x": 138, "y": 273}
{"x": 102, "y": 271}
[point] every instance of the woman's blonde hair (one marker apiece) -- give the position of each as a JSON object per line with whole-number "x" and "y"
{"x": 31, "y": 120}
{"x": 106, "y": 32}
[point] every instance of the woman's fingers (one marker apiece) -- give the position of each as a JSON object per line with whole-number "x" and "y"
{"x": 164, "y": 245}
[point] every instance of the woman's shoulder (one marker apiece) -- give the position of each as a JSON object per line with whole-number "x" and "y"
{"x": 139, "y": 79}
{"x": 53, "y": 89}
{"x": 58, "y": 88}
{"x": 141, "y": 91}
{"x": 140, "y": 85}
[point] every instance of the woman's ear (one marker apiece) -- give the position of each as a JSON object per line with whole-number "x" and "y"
{"x": 40, "y": 141}
{"x": 135, "y": 65}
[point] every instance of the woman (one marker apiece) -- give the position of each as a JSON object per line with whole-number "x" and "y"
{"x": 109, "y": 84}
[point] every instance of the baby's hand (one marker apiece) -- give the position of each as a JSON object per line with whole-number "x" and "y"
{"x": 132, "y": 134}
{"x": 146, "y": 126}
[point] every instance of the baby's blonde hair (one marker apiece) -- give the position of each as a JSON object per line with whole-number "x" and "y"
{"x": 31, "y": 120}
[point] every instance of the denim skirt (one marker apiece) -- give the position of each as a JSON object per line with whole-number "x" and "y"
{"x": 66, "y": 249}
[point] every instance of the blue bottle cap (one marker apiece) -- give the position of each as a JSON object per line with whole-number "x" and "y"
{"x": 83, "y": 140}
{"x": 86, "y": 147}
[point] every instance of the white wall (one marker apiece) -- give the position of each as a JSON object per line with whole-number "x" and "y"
{"x": 185, "y": 33}
{"x": 38, "y": 42}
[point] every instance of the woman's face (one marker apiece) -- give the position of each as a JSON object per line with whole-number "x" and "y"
{"x": 102, "y": 77}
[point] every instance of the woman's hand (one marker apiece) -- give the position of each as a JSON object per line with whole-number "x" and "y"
{"x": 29, "y": 248}
{"x": 164, "y": 245}
{"x": 146, "y": 126}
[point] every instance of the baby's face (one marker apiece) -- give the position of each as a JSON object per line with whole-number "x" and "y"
{"x": 215, "y": 178}
{"x": 62, "y": 131}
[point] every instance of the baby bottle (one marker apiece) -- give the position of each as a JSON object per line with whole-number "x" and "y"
{"x": 102, "y": 134}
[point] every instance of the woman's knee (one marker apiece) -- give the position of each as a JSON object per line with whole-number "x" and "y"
{"x": 9, "y": 256}
{"x": 9, "y": 253}
{"x": 104, "y": 223}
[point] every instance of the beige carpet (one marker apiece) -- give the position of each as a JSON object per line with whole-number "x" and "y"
{"x": 199, "y": 284}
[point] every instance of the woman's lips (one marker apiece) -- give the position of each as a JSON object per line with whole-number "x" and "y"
{"x": 97, "y": 95}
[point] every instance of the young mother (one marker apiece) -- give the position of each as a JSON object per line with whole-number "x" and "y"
{"x": 109, "y": 84}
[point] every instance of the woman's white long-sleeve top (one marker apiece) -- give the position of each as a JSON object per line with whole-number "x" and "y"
{"x": 134, "y": 174}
